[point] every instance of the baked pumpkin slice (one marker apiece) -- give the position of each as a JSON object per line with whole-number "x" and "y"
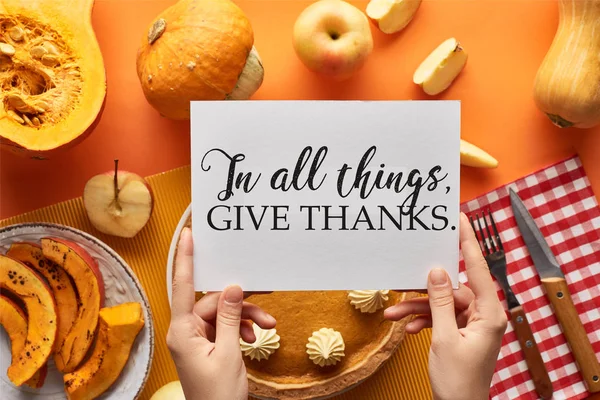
{"x": 14, "y": 321}
{"x": 52, "y": 75}
{"x": 29, "y": 287}
{"x": 62, "y": 289}
{"x": 118, "y": 328}
{"x": 84, "y": 271}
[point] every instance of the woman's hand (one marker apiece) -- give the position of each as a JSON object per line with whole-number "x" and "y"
{"x": 204, "y": 338}
{"x": 468, "y": 325}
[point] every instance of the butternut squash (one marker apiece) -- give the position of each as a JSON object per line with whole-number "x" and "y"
{"x": 567, "y": 82}
{"x": 63, "y": 291}
{"x": 52, "y": 76}
{"x": 14, "y": 321}
{"x": 118, "y": 328}
{"x": 83, "y": 269}
{"x": 19, "y": 279}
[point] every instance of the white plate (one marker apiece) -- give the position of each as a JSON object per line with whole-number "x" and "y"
{"x": 121, "y": 285}
{"x": 174, "y": 240}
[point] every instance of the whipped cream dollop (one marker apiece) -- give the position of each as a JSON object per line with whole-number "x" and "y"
{"x": 267, "y": 341}
{"x": 368, "y": 301}
{"x": 325, "y": 347}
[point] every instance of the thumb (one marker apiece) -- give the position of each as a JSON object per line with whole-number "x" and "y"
{"x": 441, "y": 302}
{"x": 229, "y": 314}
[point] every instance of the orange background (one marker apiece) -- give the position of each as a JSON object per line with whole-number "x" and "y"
{"x": 506, "y": 41}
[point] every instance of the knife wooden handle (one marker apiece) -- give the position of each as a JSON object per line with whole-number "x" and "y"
{"x": 580, "y": 345}
{"x": 537, "y": 368}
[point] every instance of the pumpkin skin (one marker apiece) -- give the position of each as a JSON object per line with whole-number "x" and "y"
{"x": 198, "y": 50}
{"x": 14, "y": 321}
{"x": 27, "y": 286}
{"x": 566, "y": 84}
{"x": 58, "y": 62}
{"x": 118, "y": 328}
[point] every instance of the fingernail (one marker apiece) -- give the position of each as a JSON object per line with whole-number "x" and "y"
{"x": 438, "y": 277}
{"x": 271, "y": 319}
{"x": 234, "y": 295}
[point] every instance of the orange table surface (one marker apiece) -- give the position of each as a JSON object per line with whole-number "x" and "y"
{"x": 506, "y": 41}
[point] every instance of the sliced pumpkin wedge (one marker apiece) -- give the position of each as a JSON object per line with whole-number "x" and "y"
{"x": 84, "y": 271}
{"x": 24, "y": 283}
{"x": 14, "y": 321}
{"x": 62, "y": 289}
{"x": 118, "y": 329}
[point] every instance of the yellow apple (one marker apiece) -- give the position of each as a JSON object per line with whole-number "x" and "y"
{"x": 473, "y": 156}
{"x": 392, "y": 16}
{"x": 437, "y": 72}
{"x": 118, "y": 203}
{"x": 333, "y": 38}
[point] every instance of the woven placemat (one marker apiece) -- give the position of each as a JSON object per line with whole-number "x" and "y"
{"x": 404, "y": 376}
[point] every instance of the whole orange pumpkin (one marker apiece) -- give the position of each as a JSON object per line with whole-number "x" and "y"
{"x": 198, "y": 50}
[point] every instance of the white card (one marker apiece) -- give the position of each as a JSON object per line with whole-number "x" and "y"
{"x": 342, "y": 223}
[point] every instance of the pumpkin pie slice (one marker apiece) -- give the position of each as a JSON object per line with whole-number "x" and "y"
{"x": 287, "y": 371}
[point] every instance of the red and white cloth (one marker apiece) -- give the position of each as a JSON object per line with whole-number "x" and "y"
{"x": 561, "y": 201}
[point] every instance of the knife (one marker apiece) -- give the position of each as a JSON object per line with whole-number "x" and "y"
{"x": 558, "y": 293}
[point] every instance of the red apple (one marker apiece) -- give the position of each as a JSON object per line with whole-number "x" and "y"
{"x": 333, "y": 38}
{"x": 118, "y": 203}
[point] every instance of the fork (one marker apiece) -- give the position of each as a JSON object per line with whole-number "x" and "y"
{"x": 493, "y": 250}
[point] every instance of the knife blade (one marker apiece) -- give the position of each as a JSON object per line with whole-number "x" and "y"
{"x": 557, "y": 291}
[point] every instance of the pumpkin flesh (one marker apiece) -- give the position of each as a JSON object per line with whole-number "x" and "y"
{"x": 24, "y": 283}
{"x": 54, "y": 85}
{"x": 83, "y": 269}
{"x": 118, "y": 328}
{"x": 62, "y": 289}
{"x": 14, "y": 321}
{"x": 566, "y": 84}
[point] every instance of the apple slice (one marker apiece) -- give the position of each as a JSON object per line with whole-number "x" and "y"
{"x": 437, "y": 72}
{"x": 473, "y": 156}
{"x": 14, "y": 321}
{"x": 63, "y": 291}
{"x": 84, "y": 271}
{"x": 118, "y": 203}
{"x": 391, "y": 16}
{"x": 29, "y": 287}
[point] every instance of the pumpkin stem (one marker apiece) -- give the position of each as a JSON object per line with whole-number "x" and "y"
{"x": 559, "y": 121}
{"x": 156, "y": 30}
{"x": 116, "y": 186}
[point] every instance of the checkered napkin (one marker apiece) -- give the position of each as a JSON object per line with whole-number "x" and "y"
{"x": 561, "y": 201}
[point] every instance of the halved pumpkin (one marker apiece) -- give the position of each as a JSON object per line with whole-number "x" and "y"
{"x": 63, "y": 291}
{"x": 41, "y": 310}
{"x": 84, "y": 271}
{"x": 14, "y": 321}
{"x": 52, "y": 75}
{"x": 118, "y": 328}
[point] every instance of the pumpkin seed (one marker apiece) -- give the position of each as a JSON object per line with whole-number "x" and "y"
{"x": 16, "y": 33}
{"x": 156, "y": 30}
{"x": 7, "y": 49}
{"x": 38, "y": 52}
{"x": 15, "y": 116}
{"x": 42, "y": 106}
{"x": 35, "y": 121}
{"x": 27, "y": 120}
{"x": 150, "y": 78}
{"x": 50, "y": 61}
{"x": 191, "y": 65}
{"x": 50, "y": 48}
{"x": 20, "y": 105}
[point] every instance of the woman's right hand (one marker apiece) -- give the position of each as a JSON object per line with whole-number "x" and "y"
{"x": 468, "y": 325}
